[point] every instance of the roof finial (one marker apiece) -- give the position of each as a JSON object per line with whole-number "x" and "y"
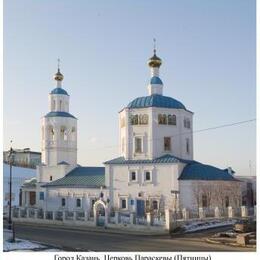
{"x": 154, "y": 46}
{"x": 58, "y": 60}
{"x": 58, "y": 76}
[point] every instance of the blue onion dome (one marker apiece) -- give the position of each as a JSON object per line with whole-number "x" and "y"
{"x": 155, "y": 61}
{"x": 59, "y": 91}
{"x": 156, "y": 100}
{"x": 156, "y": 80}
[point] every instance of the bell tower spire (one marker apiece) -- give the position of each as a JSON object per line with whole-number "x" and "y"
{"x": 156, "y": 85}
{"x": 58, "y": 76}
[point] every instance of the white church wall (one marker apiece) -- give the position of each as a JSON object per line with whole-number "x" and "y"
{"x": 153, "y": 134}
{"x": 54, "y": 195}
{"x": 57, "y": 147}
{"x": 164, "y": 181}
{"x": 51, "y": 173}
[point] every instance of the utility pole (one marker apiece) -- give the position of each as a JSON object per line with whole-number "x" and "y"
{"x": 11, "y": 160}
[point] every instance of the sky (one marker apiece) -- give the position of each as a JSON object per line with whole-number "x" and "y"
{"x": 208, "y": 50}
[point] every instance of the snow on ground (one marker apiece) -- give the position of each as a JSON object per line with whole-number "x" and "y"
{"x": 23, "y": 245}
{"x": 202, "y": 225}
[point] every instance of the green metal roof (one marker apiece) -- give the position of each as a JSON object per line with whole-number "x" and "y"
{"x": 167, "y": 158}
{"x": 87, "y": 177}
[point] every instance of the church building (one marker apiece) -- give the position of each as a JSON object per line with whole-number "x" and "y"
{"x": 155, "y": 169}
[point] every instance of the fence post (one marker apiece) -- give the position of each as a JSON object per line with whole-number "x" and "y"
{"x": 86, "y": 215}
{"x": 131, "y": 218}
{"x": 185, "y": 213}
{"x": 74, "y": 215}
{"x": 116, "y": 217}
{"x": 53, "y": 215}
{"x": 244, "y": 212}
{"x": 44, "y": 214}
{"x": 36, "y": 213}
{"x": 201, "y": 213}
{"x": 217, "y": 212}
{"x": 27, "y": 213}
{"x": 230, "y": 212}
{"x": 148, "y": 218}
{"x": 168, "y": 219}
{"x": 63, "y": 215}
{"x": 19, "y": 213}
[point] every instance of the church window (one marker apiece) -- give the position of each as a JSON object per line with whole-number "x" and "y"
{"x": 187, "y": 145}
{"x": 51, "y": 133}
{"x": 60, "y": 104}
{"x": 78, "y": 203}
{"x": 63, "y": 202}
{"x": 204, "y": 201}
{"x": 133, "y": 176}
{"x": 138, "y": 144}
{"x": 123, "y": 203}
{"x": 144, "y": 119}
{"x": 134, "y": 119}
{"x": 50, "y": 178}
{"x": 186, "y": 123}
{"x": 147, "y": 176}
{"x": 162, "y": 119}
{"x": 41, "y": 195}
{"x": 155, "y": 204}
{"x": 167, "y": 143}
{"x": 171, "y": 119}
{"x": 53, "y": 105}
{"x": 227, "y": 201}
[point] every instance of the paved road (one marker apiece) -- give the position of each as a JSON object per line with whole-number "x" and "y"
{"x": 83, "y": 240}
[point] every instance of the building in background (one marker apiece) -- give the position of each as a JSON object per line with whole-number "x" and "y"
{"x": 24, "y": 158}
{"x": 20, "y": 175}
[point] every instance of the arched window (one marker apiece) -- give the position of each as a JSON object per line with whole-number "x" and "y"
{"x": 73, "y": 133}
{"x": 144, "y": 119}
{"x": 51, "y": 132}
{"x": 171, "y": 119}
{"x": 164, "y": 119}
{"x": 135, "y": 120}
{"x": 78, "y": 203}
{"x": 63, "y": 133}
{"x": 161, "y": 119}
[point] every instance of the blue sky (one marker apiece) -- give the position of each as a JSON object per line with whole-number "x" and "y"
{"x": 208, "y": 53}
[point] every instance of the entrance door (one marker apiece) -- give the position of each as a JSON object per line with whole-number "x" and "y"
{"x": 140, "y": 208}
{"x": 32, "y": 198}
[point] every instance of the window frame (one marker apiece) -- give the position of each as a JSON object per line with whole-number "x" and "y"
{"x": 121, "y": 199}
{"x": 141, "y": 144}
{"x": 63, "y": 205}
{"x": 78, "y": 199}
{"x": 150, "y": 174}
{"x": 130, "y": 176}
{"x": 164, "y": 144}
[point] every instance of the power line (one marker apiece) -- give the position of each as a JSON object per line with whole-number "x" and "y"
{"x": 189, "y": 132}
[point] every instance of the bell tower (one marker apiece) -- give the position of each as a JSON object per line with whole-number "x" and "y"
{"x": 59, "y": 128}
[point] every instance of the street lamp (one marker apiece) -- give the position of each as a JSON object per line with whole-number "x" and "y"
{"x": 11, "y": 161}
